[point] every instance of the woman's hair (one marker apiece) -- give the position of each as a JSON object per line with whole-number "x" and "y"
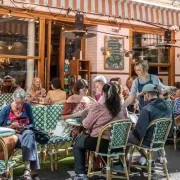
{"x": 161, "y": 80}
{"x": 100, "y": 78}
{"x": 115, "y": 79}
{"x": 118, "y": 88}
{"x": 112, "y": 99}
{"x": 33, "y": 87}
{"x": 56, "y": 82}
{"x": 80, "y": 84}
{"x": 19, "y": 94}
{"x": 177, "y": 85}
{"x": 143, "y": 63}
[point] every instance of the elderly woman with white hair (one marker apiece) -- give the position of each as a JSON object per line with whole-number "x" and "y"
{"x": 18, "y": 116}
{"x": 99, "y": 82}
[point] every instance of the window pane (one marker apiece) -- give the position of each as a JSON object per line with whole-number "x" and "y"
{"x": 145, "y": 48}
{"x": 72, "y": 48}
{"x": 22, "y": 70}
{"x": 18, "y": 36}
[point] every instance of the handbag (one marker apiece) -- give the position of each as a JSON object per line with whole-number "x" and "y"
{"x": 41, "y": 136}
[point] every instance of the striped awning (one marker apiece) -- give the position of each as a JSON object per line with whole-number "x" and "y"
{"x": 123, "y": 8}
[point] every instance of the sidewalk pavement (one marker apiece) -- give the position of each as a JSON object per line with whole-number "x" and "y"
{"x": 66, "y": 169}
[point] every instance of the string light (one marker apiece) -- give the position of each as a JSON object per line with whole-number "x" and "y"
{"x": 144, "y": 40}
{"x": 62, "y": 27}
{"x": 9, "y": 13}
{"x": 37, "y": 21}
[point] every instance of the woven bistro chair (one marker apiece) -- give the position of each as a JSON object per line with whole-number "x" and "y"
{"x": 57, "y": 147}
{"x": 118, "y": 141}
{"x": 6, "y": 166}
{"x": 160, "y": 128}
{"x": 175, "y": 128}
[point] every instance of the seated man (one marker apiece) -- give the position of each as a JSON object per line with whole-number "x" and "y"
{"x": 156, "y": 108}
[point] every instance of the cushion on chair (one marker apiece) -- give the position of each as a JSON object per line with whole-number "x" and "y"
{"x": 58, "y": 139}
{"x": 2, "y": 166}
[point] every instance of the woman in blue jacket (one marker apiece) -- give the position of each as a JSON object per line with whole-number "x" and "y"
{"x": 18, "y": 116}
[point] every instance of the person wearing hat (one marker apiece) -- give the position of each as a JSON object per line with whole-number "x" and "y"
{"x": 156, "y": 108}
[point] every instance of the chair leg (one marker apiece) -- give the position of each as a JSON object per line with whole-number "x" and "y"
{"x": 125, "y": 167}
{"x": 130, "y": 158}
{"x": 90, "y": 163}
{"x": 149, "y": 164}
{"x": 108, "y": 169}
{"x": 175, "y": 138}
{"x": 165, "y": 165}
{"x": 10, "y": 174}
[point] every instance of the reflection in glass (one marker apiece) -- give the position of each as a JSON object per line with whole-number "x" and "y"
{"x": 72, "y": 49}
{"x": 14, "y": 35}
{"x": 145, "y": 48}
{"x": 17, "y": 69}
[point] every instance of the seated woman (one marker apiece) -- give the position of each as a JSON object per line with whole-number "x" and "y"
{"x": 99, "y": 82}
{"x": 36, "y": 90}
{"x": 56, "y": 94}
{"x": 18, "y": 116}
{"x": 98, "y": 116}
{"x": 74, "y": 107}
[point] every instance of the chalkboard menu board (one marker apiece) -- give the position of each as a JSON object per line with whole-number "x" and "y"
{"x": 116, "y": 59}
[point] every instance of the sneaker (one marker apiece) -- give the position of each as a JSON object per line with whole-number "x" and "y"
{"x": 79, "y": 177}
{"x": 161, "y": 160}
{"x": 118, "y": 167}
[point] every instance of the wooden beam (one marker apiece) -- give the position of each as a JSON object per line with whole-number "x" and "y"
{"x": 83, "y": 48}
{"x": 48, "y": 54}
{"x": 18, "y": 57}
{"x": 61, "y": 58}
{"x": 130, "y": 48}
{"x": 171, "y": 73}
{"x": 41, "y": 50}
{"x": 158, "y": 64}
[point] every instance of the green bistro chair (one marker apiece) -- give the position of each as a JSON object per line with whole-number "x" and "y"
{"x": 176, "y": 128}
{"x": 160, "y": 128}
{"x": 5, "y": 98}
{"x": 39, "y": 114}
{"x": 56, "y": 142}
{"x": 117, "y": 145}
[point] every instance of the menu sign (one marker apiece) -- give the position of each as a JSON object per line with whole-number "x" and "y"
{"x": 115, "y": 58}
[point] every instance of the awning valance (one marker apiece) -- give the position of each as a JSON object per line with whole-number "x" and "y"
{"x": 117, "y": 8}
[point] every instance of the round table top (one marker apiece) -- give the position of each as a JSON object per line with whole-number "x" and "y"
{"x": 75, "y": 122}
{"x": 5, "y": 132}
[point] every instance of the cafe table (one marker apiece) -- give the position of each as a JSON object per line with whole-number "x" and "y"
{"x": 6, "y": 132}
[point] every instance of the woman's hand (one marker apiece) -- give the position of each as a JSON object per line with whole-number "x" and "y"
{"x": 38, "y": 92}
{"x": 65, "y": 117}
{"x": 14, "y": 125}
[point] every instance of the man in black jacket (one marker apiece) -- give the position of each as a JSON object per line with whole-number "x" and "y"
{"x": 156, "y": 108}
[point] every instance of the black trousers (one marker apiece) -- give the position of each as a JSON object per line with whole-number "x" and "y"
{"x": 82, "y": 144}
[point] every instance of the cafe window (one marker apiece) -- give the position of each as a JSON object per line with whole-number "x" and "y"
{"x": 72, "y": 48}
{"x": 19, "y": 36}
{"x": 144, "y": 46}
{"x": 17, "y": 68}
